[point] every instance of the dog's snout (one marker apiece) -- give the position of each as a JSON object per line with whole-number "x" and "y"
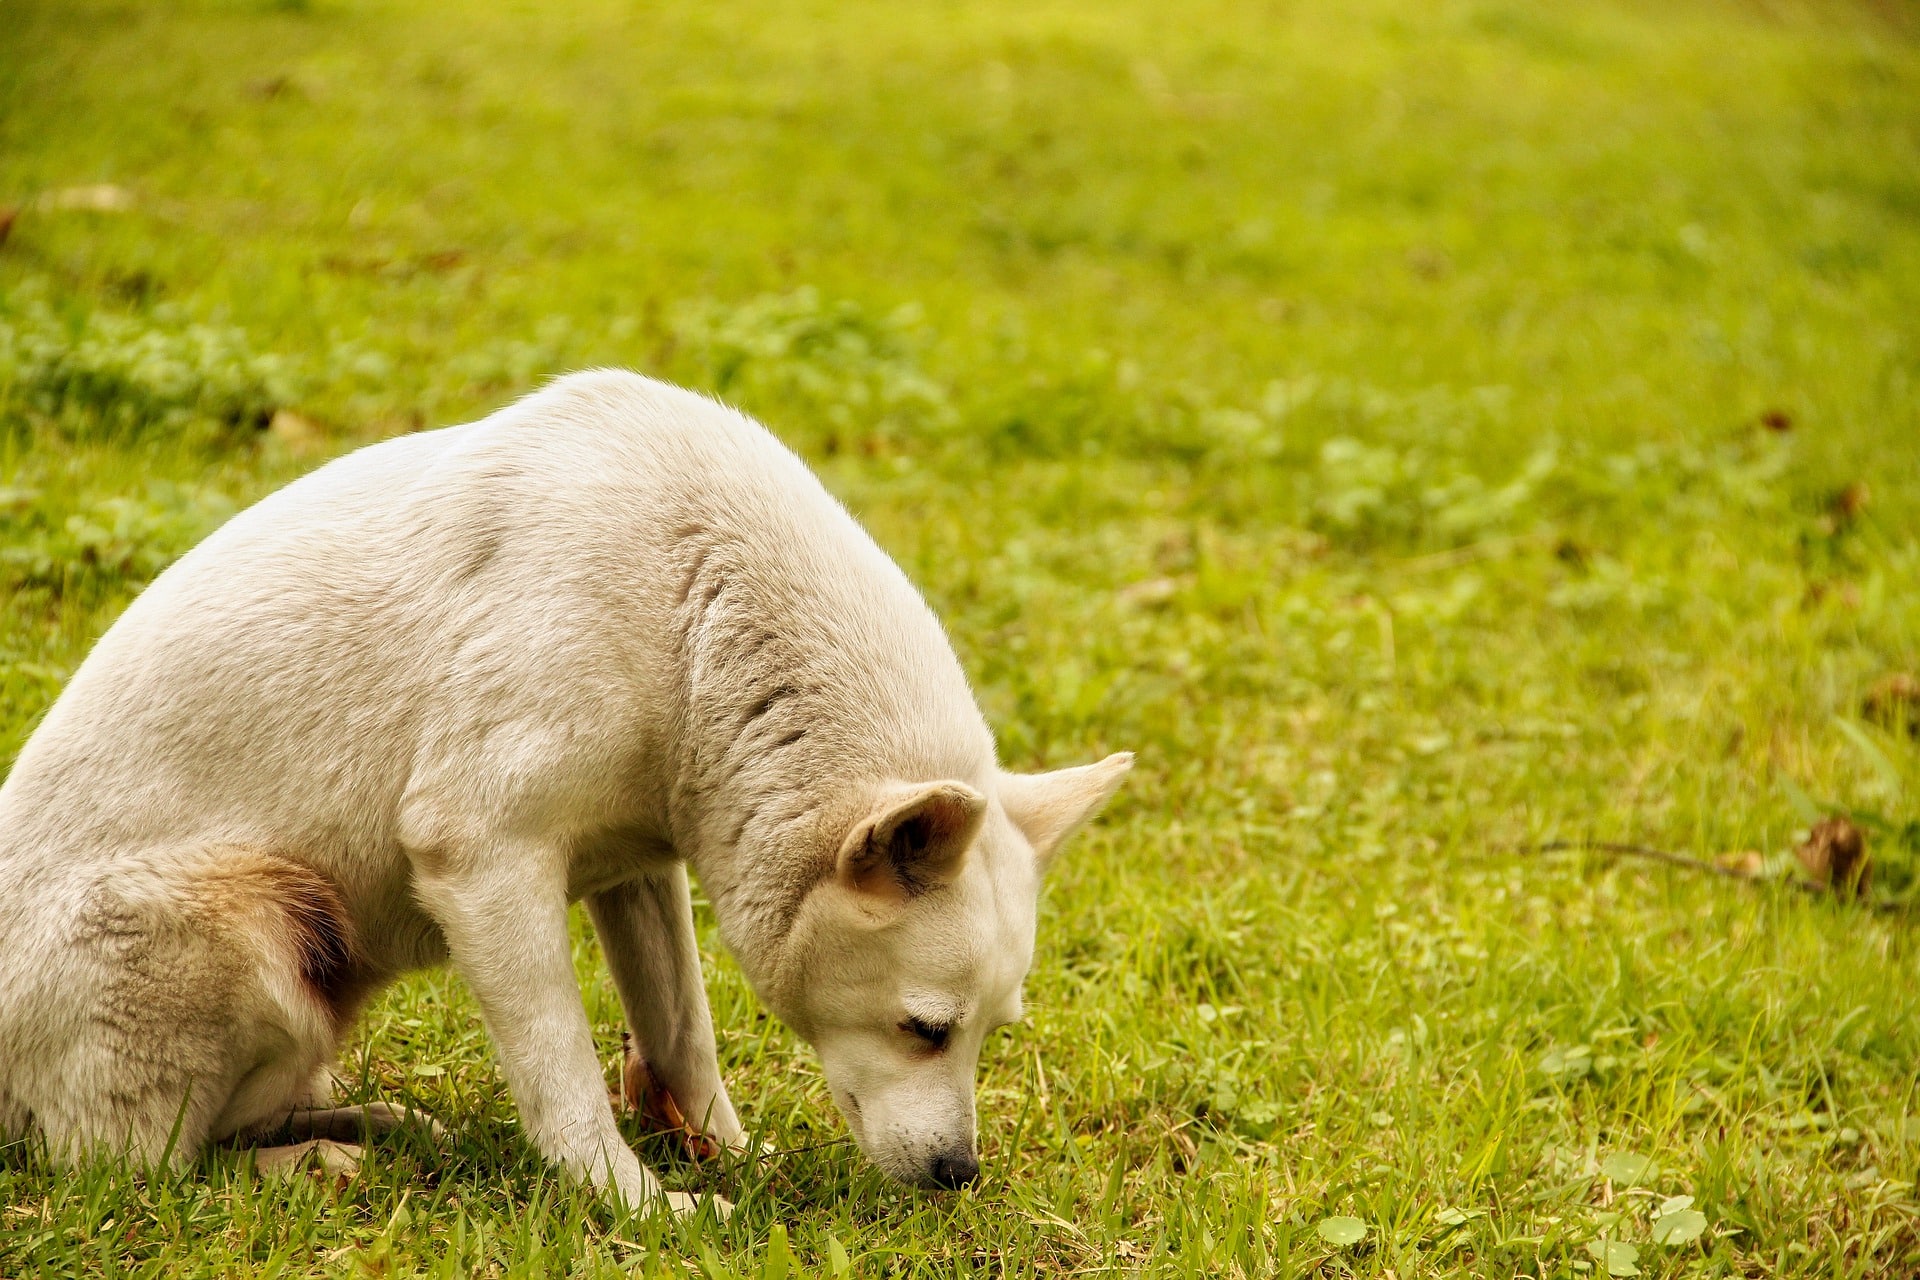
{"x": 954, "y": 1170}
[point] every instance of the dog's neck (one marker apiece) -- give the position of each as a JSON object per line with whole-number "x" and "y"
{"x": 757, "y": 884}
{"x": 801, "y": 695}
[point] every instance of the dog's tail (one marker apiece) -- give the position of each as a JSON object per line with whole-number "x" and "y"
{"x": 290, "y": 914}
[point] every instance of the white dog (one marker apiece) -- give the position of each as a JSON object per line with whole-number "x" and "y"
{"x": 411, "y": 706}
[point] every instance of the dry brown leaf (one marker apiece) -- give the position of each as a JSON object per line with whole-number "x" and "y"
{"x": 1894, "y": 703}
{"x": 658, "y": 1109}
{"x": 1428, "y": 262}
{"x": 1848, "y": 503}
{"x": 1835, "y": 854}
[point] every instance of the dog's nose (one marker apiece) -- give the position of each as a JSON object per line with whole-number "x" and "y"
{"x": 954, "y": 1171}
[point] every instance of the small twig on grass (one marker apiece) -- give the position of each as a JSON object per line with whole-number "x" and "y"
{"x": 1644, "y": 851}
{"x": 777, "y": 1152}
{"x": 1692, "y": 863}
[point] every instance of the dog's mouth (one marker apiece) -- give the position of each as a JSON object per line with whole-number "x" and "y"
{"x": 944, "y": 1174}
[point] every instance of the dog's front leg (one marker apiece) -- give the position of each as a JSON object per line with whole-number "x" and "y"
{"x": 646, "y": 929}
{"x": 504, "y": 915}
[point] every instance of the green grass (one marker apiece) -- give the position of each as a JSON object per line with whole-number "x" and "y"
{"x": 1353, "y": 408}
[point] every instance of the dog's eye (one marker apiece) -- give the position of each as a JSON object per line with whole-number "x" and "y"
{"x": 927, "y": 1031}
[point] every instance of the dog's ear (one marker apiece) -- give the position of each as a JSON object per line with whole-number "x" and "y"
{"x": 1049, "y": 807}
{"x": 914, "y": 839}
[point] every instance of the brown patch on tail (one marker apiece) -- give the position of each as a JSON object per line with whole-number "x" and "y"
{"x": 313, "y": 921}
{"x": 321, "y": 935}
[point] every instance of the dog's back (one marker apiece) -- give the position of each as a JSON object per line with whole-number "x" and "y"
{"x": 276, "y": 675}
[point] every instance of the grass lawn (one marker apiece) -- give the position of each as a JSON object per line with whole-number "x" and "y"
{"x": 1420, "y": 430}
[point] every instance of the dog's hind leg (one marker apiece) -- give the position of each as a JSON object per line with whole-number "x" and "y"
{"x": 312, "y": 1115}
{"x": 672, "y": 1074}
{"x": 353, "y": 1124}
{"x": 186, "y": 1006}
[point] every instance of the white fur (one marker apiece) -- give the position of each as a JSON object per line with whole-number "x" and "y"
{"x": 459, "y": 679}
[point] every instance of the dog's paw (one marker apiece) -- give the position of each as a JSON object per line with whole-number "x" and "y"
{"x": 338, "y": 1161}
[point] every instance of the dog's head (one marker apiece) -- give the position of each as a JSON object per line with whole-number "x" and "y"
{"x": 915, "y": 946}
